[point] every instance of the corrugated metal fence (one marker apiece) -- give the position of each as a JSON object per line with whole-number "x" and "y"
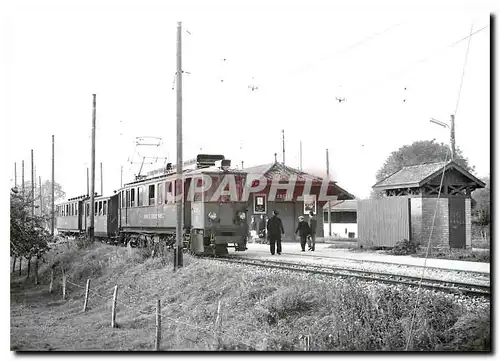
{"x": 383, "y": 222}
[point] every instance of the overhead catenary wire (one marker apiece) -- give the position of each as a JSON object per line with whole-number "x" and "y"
{"x": 436, "y": 208}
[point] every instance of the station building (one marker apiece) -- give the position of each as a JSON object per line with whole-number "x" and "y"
{"x": 264, "y": 202}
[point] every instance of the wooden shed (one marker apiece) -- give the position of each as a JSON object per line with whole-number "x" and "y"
{"x": 289, "y": 210}
{"x": 417, "y": 207}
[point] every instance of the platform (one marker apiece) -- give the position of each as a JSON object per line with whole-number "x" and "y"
{"x": 325, "y": 255}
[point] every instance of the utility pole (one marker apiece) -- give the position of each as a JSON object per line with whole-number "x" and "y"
{"x": 179, "y": 191}
{"x": 52, "y": 206}
{"x": 283, "y": 139}
{"x": 32, "y": 186}
{"x": 329, "y": 202}
{"x": 41, "y": 195}
{"x": 22, "y": 177}
{"x": 88, "y": 193}
{"x": 101, "y": 181}
{"x": 92, "y": 175}
{"x": 15, "y": 175}
{"x": 121, "y": 176}
{"x": 241, "y": 165}
{"x": 300, "y": 156}
{"x": 452, "y": 137}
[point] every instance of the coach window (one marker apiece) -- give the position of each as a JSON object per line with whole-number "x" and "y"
{"x": 132, "y": 197}
{"x": 160, "y": 193}
{"x": 104, "y": 208}
{"x": 96, "y": 205}
{"x": 127, "y": 198}
{"x": 87, "y": 209}
{"x": 76, "y": 209}
{"x": 151, "y": 194}
{"x": 100, "y": 208}
{"x": 139, "y": 196}
{"x": 168, "y": 192}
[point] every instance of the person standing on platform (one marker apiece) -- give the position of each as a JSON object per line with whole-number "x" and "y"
{"x": 311, "y": 240}
{"x": 274, "y": 231}
{"x": 304, "y": 231}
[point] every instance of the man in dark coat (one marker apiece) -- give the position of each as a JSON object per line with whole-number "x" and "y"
{"x": 311, "y": 241}
{"x": 304, "y": 231}
{"x": 274, "y": 232}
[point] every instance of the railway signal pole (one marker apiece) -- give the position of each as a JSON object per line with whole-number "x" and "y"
{"x": 52, "y": 206}
{"x": 92, "y": 175}
{"x": 329, "y": 202}
{"x": 179, "y": 196}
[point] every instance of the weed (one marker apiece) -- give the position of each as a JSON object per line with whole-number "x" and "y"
{"x": 404, "y": 247}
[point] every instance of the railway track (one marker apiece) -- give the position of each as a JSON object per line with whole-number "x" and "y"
{"x": 388, "y": 278}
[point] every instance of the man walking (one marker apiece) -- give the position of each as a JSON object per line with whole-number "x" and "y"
{"x": 311, "y": 241}
{"x": 274, "y": 232}
{"x": 303, "y": 230}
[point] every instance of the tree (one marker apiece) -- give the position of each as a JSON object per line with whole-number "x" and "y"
{"x": 28, "y": 234}
{"x": 46, "y": 198}
{"x": 481, "y": 206}
{"x": 419, "y": 152}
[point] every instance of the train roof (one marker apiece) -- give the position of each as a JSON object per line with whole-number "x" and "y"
{"x": 187, "y": 172}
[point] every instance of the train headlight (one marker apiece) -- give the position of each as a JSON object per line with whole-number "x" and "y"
{"x": 212, "y": 215}
{"x": 242, "y": 215}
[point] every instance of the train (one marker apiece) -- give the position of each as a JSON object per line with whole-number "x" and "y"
{"x": 145, "y": 211}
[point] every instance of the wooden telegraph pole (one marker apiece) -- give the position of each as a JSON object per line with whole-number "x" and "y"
{"x": 329, "y": 203}
{"x": 15, "y": 175}
{"x": 22, "y": 178}
{"x": 92, "y": 175}
{"x": 283, "y": 140}
{"x": 179, "y": 191}
{"x": 52, "y": 205}
{"x": 41, "y": 194}
{"x": 88, "y": 192}
{"x": 32, "y": 186}
{"x": 452, "y": 137}
{"x": 101, "y": 181}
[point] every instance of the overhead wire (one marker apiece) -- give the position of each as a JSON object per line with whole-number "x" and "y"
{"x": 437, "y": 202}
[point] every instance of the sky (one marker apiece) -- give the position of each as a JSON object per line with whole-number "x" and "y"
{"x": 396, "y": 69}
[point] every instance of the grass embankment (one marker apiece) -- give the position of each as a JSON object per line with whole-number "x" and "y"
{"x": 260, "y": 309}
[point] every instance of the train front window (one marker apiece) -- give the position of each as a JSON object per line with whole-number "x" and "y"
{"x": 104, "y": 208}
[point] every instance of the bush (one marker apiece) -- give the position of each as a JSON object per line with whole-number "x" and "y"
{"x": 405, "y": 247}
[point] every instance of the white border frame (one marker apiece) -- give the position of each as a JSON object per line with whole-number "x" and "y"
{"x": 255, "y": 200}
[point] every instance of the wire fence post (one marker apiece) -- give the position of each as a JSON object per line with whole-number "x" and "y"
{"x": 51, "y": 279}
{"x": 63, "y": 283}
{"x": 218, "y": 322}
{"x": 113, "y": 310}
{"x": 158, "y": 326}
{"x": 86, "y": 295}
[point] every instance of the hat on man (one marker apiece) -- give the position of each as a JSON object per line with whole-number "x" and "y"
{"x": 275, "y": 212}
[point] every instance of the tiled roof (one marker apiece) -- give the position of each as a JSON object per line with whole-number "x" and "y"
{"x": 416, "y": 175}
{"x": 274, "y": 169}
{"x": 278, "y": 169}
{"x": 410, "y": 175}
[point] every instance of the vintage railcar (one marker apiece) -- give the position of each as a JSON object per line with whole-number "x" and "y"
{"x": 147, "y": 209}
{"x": 68, "y": 217}
{"x": 106, "y": 226}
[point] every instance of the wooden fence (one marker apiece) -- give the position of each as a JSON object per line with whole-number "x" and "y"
{"x": 383, "y": 222}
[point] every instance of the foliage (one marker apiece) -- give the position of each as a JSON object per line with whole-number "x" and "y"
{"x": 404, "y": 247}
{"x": 43, "y": 203}
{"x": 419, "y": 152}
{"x": 456, "y": 254}
{"x": 28, "y": 234}
{"x": 481, "y": 211}
{"x": 259, "y": 309}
